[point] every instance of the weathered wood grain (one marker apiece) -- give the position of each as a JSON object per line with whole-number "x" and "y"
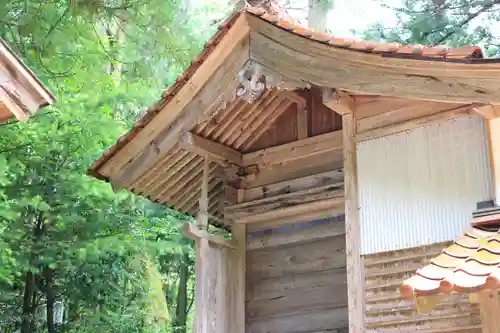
{"x": 319, "y": 255}
{"x": 324, "y": 320}
{"x": 208, "y": 84}
{"x": 304, "y": 59}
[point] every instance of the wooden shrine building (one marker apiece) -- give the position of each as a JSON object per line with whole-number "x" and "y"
{"x": 21, "y": 93}
{"x": 340, "y": 167}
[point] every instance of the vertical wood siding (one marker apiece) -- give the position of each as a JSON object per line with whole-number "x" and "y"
{"x": 420, "y": 187}
{"x": 386, "y": 312}
{"x": 296, "y": 279}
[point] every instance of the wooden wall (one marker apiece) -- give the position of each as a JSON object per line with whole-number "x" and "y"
{"x": 320, "y": 120}
{"x": 296, "y": 278}
{"x": 386, "y": 312}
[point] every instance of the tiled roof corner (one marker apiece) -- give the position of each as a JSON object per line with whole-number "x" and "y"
{"x": 471, "y": 263}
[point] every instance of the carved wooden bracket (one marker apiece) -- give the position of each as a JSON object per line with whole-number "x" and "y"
{"x": 255, "y": 78}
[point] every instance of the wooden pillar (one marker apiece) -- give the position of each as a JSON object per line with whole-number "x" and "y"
{"x": 220, "y": 272}
{"x": 238, "y": 262}
{"x": 493, "y": 126}
{"x": 205, "y": 271}
{"x": 355, "y": 269}
{"x": 489, "y": 305}
{"x": 238, "y": 276}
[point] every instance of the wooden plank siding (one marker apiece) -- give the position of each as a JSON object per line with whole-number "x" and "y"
{"x": 320, "y": 120}
{"x": 386, "y": 312}
{"x": 297, "y": 286}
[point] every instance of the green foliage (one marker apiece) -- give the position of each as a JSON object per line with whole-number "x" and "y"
{"x": 432, "y": 22}
{"x": 110, "y": 258}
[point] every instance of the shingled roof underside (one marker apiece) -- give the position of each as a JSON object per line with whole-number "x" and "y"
{"x": 417, "y": 52}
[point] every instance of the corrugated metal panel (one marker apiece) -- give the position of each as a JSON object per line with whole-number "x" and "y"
{"x": 387, "y": 313}
{"x": 420, "y": 187}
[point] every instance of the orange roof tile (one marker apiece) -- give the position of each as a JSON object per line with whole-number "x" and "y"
{"x": 471, "y": 263}
{"x": 439, "y": 53}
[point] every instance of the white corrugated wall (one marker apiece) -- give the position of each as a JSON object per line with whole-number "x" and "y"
{"x": 420, "y": 187}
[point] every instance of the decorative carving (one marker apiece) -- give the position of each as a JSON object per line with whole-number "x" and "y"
{"x": 252, "y": 82}
{"x": 255, "y": 78}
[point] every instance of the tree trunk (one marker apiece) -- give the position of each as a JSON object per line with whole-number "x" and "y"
{"x": 50, "y": 297}
{"x": 29, "y": 297}
{"x": 182, "y": 300}
{"x": 29, "y": 292}
{"x": 317, "y": 16}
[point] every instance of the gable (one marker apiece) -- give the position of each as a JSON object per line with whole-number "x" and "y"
{"x": 292, "y": 58}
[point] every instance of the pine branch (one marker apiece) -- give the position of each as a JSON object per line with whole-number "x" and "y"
{"x": 469, "y": 18}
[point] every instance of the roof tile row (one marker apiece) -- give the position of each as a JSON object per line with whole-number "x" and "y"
{"x": 471, "y": 263}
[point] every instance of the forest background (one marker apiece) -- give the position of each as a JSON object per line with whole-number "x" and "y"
{"x": 74, "y": 255}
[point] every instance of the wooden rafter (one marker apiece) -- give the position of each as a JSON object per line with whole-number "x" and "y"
{"x": 212, "y": 150}
{"x": 217, "y": 74}
{"x": 14, "y": 107}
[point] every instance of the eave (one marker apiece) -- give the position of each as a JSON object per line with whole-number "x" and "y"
{"x": 452, "y": 77}
{"x": 21, "y": 92}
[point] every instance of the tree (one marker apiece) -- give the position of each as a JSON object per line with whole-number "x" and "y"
{"x": 65, "y": 238}
{"x": 433, "y": 22}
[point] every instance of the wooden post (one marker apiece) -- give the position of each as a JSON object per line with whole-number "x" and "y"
{"x": 355, "y": 269}
{"x": 238, "y": 262}
{"x": 493, "y": 126}
{"x": 489, "y": 305}
{"x": 220, "y": 272}
{"x": 203, "y": 269}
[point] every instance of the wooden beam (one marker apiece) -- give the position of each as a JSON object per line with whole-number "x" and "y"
{"x": 209, "y": 84}
{"x": 294, "y": 185}
{"x": 193, "y": 232}
{"x": 295, "y": 150}
{"x": 333, "y": 202}
{"x": 488, "y": 112}
{"x": 23, "y": 81}
{"x": 13, "y": 106}
{"x": 338, "y": 101}
{"x": 297, "y": 168}
{"x": 300, "y": 216}
{"x": 460, "y": 111}
{"x": 236, "y": 212}
{"x": 215, "y": 151}
{"x": 355, "y": 269}
{"x": 489, "y": 307}
{"x": 308, "y": 232}
{"x": 322, "y": 65}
